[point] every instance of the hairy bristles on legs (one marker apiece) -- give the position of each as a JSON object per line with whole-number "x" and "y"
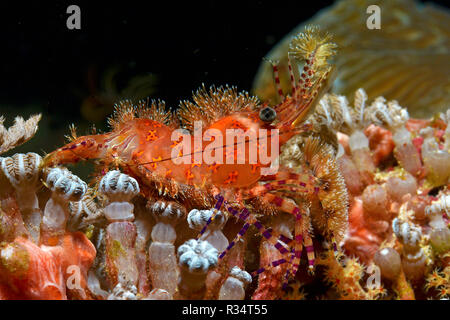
{"x": 313, "y": 45}
{"x": 310, "y": 70}
{"x": 308, "y": 187}
{"x": 319, "y": 158}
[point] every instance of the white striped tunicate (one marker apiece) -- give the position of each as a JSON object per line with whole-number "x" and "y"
{"x": 118, "y": 186}
{"x": 407, "y": 233}
{"x": 440, "y": 206}
{"x": 22, "y": 170}
{"x": 197, "y": 219}
{"x": 65, "y": 184}
{"x": 241, "y": 275}
{"x": 167, "y": 210}
{"x": 197, "y": 255}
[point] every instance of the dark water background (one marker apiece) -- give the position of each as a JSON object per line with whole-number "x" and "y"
{"x": 46, "y": 68}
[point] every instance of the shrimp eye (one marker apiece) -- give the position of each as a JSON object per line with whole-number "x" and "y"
{"x": 267, "y": 114}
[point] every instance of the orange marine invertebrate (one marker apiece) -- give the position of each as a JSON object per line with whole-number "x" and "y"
{"x": 380, "y": 142}
{"x": 40, "y": 272}
{"x": 200, "y": 172}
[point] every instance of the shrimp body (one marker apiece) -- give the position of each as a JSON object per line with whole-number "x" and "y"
{"x": 149, "y": 144}
{"x": 220, "y": 143}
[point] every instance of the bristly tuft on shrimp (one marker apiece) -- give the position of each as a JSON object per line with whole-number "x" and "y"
{"x": 333, "y": 194}
{"x": 211, "y": 105}
{"x": 312, "y": 50}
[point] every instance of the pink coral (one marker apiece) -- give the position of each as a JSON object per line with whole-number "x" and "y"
{"x": 40, "y": 272}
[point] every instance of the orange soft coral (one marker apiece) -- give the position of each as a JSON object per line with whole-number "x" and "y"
{"x": 360, "y": 240}
{"x": 41, "y": 272}
{"x": 380, "y": 142}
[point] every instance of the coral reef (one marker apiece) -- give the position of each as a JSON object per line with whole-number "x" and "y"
{"x": 355, "y": 204}
{"x": 40, "y": 259}
{"x": 64, "y": 240}
{"x": 398, "y": 219}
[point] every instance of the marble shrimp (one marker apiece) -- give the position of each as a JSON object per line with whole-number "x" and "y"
{"x": 141, "y": 143}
